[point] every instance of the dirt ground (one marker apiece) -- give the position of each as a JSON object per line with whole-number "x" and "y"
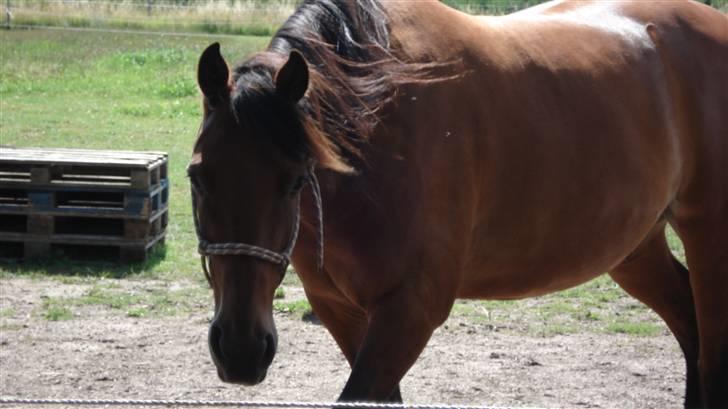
{"x": 99, "y": 354}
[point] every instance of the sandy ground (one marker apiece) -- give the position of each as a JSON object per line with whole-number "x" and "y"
{"x": 102, "y": 354}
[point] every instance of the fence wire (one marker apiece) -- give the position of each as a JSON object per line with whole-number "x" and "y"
{"x": 238, "y": 404}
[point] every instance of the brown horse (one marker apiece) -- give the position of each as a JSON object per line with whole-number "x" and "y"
{"x": 465, "y": 157}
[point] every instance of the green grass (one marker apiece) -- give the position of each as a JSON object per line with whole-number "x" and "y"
{"x": 675, "y": 244}
{"x": 298, "y": 307}
{"x": 57, "y": 313}
{"x": 150, "y": 301}
{"x": 111, "y": 91}
{"x": 54, "y": 309}
{"x": 634, "y": 328}
{"x": 7, "y": 312}
{"x": 11, "y": 327}
{"x": 598, "y": 306}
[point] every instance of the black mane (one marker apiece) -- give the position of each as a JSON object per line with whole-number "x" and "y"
{"x": 357, "y": 30}
{"x": 353, "y": 71}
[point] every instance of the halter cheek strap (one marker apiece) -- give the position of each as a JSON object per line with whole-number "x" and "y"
{"x": 206, "y": 248}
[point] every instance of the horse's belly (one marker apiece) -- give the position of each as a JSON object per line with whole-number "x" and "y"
{"x": 536, "y": 254}
{"x": 518, "y": 280}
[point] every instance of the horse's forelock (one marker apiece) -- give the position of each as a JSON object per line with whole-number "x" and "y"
{"x": 291, "y": 127}
{"x": 257, "y": 108}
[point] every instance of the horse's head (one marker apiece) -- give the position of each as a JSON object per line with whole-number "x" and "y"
{"x": 250, "y": 161}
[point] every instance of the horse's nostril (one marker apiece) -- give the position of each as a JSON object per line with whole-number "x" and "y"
{"x": 269, "y": 350}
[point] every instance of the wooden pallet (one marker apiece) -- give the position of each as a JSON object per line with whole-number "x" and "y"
{"x": 82, "y": 200}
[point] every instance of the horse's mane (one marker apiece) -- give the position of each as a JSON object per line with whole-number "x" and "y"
{"x": 353, "y": 75}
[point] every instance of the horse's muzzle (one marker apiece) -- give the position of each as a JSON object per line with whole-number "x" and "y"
{"x": 241, "y": 361}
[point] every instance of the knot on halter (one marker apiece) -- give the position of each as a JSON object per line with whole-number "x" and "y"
{"x": 206, "y": 248}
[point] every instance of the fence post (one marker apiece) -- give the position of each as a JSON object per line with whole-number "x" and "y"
{"x": 149, "y": 7}
{"x": 8, "y": 14}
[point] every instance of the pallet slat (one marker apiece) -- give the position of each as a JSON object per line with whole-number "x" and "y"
{"x": 87, "y": 202}
{"x": 140, "y": 163}
{"x": 52, "y": 175}
{"x": 85, "y": 239}
{"x": 81, "y": 156}
{"x": 15, "y": 225}
{"x": 125, "y": 252}
{"x": 92, "y": 212}
{"x": 89, "y": 151}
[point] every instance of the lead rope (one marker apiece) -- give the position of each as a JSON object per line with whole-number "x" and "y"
{"x": 206, "y": 248}
{"x": 316, "y": 190}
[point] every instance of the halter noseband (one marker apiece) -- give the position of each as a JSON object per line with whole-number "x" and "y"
{"x": 206, "y": 248}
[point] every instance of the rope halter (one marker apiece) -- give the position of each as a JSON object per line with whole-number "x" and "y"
{"x": 283, "y": 258}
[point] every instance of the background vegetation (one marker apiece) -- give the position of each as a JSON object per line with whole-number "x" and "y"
{"x": 509, "y": 6}
{"x": 248, "y": 17}
{"x": 112, "y": 91}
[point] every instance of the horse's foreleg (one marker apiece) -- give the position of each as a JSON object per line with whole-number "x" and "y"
{"x": 706, "y": 248}
{"x": 347, "y": 326}
{"x": 399, "y": 328}
{"x": 656, "y": 278}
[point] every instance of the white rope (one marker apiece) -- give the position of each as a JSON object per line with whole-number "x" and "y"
{"x": 234, "y": 403}
{"x": 316, "y": 190}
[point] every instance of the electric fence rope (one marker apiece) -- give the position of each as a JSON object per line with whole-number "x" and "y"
{"x": 239, "y": 404}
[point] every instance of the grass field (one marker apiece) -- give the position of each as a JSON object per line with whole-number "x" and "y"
{"x": 112, "y": 91}
{"x": 127, "y": 91}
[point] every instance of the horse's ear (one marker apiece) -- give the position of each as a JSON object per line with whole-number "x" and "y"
{"x": 213, "y": 75}
{"x": 292, "y": 79}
